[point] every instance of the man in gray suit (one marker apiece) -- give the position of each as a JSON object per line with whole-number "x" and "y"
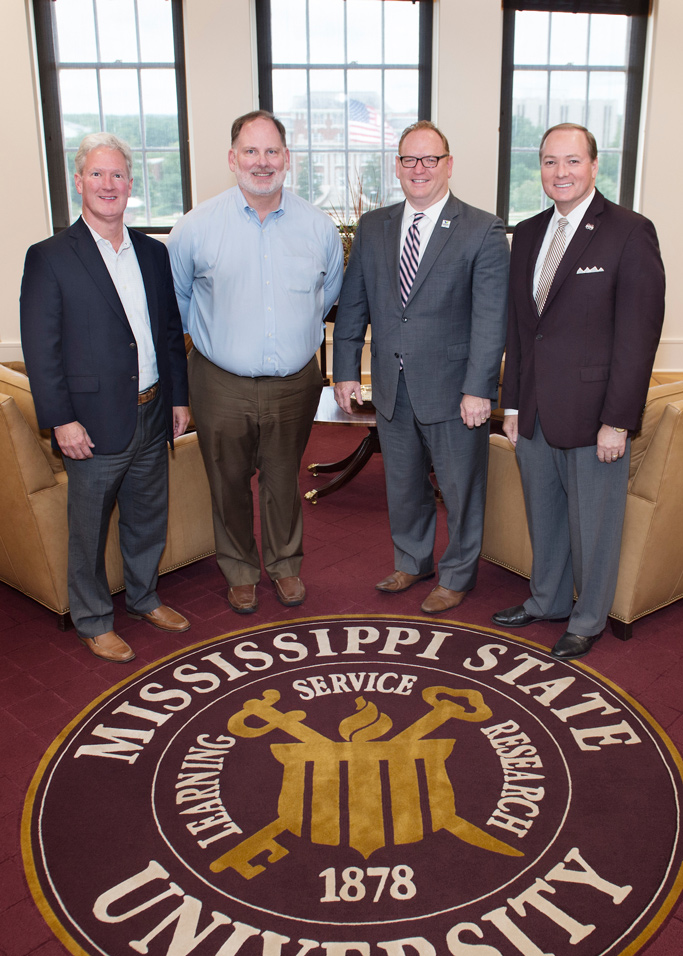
{"x": 430, "y": 274}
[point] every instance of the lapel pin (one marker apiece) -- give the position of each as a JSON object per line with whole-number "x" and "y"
{"x": 445, "y": 224}
{"x": 589, "y": 225}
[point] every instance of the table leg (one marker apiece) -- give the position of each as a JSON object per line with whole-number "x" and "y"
{"x": 348, "y": 467}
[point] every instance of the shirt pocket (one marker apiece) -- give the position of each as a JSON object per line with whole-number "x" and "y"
{"x": 302, "y": 273}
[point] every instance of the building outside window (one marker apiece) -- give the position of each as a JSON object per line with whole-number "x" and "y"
{"x": 345, "y": 77}
{"x": 116, "y": 65}
{"x": 564, "y": 67}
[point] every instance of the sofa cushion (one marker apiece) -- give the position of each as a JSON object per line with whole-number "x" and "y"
{"x": 14, "y": 381}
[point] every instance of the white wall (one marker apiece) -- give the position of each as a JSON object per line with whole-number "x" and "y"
{"x": 221, "y": 77}
{"x": 663, "y": 141}
{"x": 24, "y": 201}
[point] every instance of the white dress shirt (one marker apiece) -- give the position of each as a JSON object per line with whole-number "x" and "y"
{"x": 124, "y": 270}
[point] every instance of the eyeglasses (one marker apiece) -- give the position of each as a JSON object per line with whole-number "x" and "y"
{"x": 429, "y": 162}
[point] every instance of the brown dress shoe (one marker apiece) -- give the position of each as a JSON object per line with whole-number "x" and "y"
{"x": 242, "y": 598}
{"x": 290, "y": 591}
{"x": 401, "y": 581}
{"x": 441, "y": 599}
{"x": 109, "y": 647}
{"x": 164, "y": 618}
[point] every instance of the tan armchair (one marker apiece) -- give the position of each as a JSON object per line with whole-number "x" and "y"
{"x": 33, "y": 495}
{"x": 651, "y": 562}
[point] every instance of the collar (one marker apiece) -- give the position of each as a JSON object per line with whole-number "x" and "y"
{"x": 250, "y": 212}
{"x": 576, "y": 215}
{"x": 98, "y": 238}
{"x": 432, "y": 212}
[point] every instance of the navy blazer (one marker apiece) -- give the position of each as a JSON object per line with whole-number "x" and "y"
{"x": 80, "y": 352}
{"x": 587, "y": 360}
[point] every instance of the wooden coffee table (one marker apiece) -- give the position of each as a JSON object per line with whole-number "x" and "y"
{"x": 330, "y": 413}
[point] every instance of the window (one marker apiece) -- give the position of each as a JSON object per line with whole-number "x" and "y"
{"x": 345, "y": 77}
{"x": 581, "y": 67}
{"x": 118, "y": 66}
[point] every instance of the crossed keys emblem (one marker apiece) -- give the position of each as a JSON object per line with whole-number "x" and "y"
{"x": 363, "y": 754}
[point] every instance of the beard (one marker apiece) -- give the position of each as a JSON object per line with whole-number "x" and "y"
{"x": 260, "y": 185}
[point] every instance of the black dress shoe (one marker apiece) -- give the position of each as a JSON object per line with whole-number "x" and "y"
{"x": 570, "y": 646}
{"x": 518, "y": 617}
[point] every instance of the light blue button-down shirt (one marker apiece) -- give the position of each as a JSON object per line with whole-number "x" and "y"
{"x": 252, "y": 294}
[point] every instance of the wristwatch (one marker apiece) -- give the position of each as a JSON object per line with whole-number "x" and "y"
{"x": 618, "y": 429}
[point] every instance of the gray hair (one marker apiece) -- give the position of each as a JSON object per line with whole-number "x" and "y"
{"x": 108, "y": 141}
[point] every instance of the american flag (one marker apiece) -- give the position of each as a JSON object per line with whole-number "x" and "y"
{"x": 365, "y": 126}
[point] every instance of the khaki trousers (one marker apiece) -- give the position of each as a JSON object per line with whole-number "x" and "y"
{"x": 247, "y": 425}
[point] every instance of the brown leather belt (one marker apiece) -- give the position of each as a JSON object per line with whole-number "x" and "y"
{"x": 148, "y": 394}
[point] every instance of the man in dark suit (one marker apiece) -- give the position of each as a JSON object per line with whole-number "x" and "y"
{"x": 105, "y": 354}
{"x": 585, "y": 316}
{"x": 430, "y": 274}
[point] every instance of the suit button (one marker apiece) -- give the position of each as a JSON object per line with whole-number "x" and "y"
{"x": 539, "y": 337}
{"x": 133, "y": 378}
{"x": 405, "y": 318}
{"x": 132, "y": 345}
{"x": 396, "y": 355}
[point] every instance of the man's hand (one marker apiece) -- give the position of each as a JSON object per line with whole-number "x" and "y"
{"x": 181, "y": 419}
{"x": 475, "y": 411}
{"x": 611, "y": 444}
{"x": 511, "y": 428}
{"x": 73, "y": 440}
{"x": 343, "y": 392}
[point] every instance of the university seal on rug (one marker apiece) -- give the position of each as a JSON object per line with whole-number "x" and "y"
{"x": 357, "y": 787}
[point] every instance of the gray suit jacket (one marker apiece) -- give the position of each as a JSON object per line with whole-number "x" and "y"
{"x": 451, "y": 331}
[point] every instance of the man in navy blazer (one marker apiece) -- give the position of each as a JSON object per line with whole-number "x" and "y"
{"x": 581, "y": 343}
{"x": 105, "y": 355}
{"x": 430, "y": 274}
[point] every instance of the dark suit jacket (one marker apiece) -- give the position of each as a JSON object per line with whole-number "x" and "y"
{"x": 587, "y": 360}
{"x": 80, "y": 352}
{"x": 452, "y": 328}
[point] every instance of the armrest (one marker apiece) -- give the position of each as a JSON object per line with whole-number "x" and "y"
{"x": 21, "y": 447}
{"x": 663, "y": 457}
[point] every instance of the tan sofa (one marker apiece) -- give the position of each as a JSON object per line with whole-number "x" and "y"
{"x": 33, "y": 495}
{"x": 651, "y": 562}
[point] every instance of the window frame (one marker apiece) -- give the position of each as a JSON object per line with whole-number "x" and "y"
{"x": 43, "y": 11}
{"x": 424, "y": 69}
{"x": 637, "y": 10}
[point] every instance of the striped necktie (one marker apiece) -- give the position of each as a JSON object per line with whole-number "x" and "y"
{"x": 409, "y": 257}
{"x": 552, "y": 261}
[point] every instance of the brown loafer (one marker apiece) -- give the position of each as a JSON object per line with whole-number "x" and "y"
{"x": 109, "y": 647}
{"x": 401, "y": 581}
{"x": 290, "y": 591}
{"x": 242, "y": 598}
{"x": 441, "y": 599}
{"x": 164, "y": 618}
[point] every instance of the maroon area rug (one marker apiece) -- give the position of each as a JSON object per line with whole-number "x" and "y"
{"x": 348, "y": 786}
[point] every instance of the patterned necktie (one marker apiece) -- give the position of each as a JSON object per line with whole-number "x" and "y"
{"x": 409, "y": 257}
{"x": 552, "y": 261}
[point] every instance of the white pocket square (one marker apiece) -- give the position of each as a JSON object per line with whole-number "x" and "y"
{"x": 583, "y": 272}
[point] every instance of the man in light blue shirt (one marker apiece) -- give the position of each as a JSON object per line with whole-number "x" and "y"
{"x": 256, "y": 270}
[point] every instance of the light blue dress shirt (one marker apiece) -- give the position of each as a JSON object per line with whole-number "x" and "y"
{"x": 252, "y": 294}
